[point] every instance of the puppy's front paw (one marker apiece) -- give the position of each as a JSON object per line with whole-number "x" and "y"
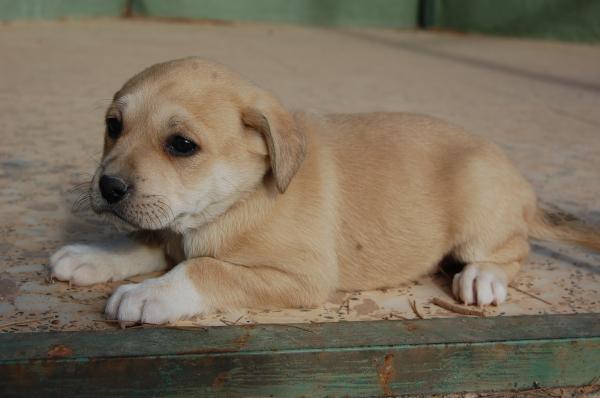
{"x": 80, "y": 264}
{"x": 480, "y": 284}
{"x": 160, "y": 300}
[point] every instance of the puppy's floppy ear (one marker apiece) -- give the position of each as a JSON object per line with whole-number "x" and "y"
{"x": 285, "y": 142}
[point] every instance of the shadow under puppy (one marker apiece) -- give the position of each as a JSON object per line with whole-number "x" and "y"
{"x": 260, "y": 207}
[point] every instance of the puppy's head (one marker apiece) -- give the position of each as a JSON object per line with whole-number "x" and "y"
{"x": 185, "y": 140}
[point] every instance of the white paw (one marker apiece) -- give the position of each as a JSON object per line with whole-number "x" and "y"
{"x": 481, "y": 285}
{"x": 86, "y": 264}
{"x": 161, "y": 300}
{"x": 81, "y": 265}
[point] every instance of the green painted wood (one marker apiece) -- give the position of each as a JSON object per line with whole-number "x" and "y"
{"x": 577, "y": 20}
{"x": 334, "y": 359}
{"x": 161, "y": 341}
{"x": 377, "y": 13}
{"x": 53, "y": 9}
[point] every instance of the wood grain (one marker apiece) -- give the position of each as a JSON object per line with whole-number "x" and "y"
{"x": 335, "y": 359}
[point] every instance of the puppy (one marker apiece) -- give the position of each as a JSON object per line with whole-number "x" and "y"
{"x": 259, "y": 207}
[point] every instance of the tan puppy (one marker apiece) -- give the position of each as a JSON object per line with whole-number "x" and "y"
{"x": 259, "y": 207}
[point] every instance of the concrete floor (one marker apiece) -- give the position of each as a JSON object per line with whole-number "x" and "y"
{"x": 539, "y": 100}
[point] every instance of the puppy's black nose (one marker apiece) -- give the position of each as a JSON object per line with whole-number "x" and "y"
{"x": 113, "y": 189}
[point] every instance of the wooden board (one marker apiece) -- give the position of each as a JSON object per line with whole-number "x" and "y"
{"x": 333, "y": 359}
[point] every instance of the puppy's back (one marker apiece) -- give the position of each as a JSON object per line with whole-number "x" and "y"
{"x": 401, "y": 180}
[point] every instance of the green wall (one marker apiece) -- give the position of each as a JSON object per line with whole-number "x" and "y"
{"x": 382, "y": 13}
{"x": 53, "y": 9}
{"x": 577, "y": 20}
{"x": 377, "y": 13}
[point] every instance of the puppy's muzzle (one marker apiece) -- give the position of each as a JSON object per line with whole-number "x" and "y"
{"x": 113, "y": 189}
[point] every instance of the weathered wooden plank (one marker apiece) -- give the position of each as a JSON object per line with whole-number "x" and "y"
{"x": 337, "y": 359}
{"x": 163, "y": 341}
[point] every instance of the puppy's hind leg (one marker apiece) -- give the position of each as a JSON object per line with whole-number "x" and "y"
{"x": 87, "y": 264}
{"x": 491, "y": 206}
{"x": 488, "y": 271}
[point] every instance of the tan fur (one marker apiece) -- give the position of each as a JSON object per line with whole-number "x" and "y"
{"x": 553, "y": 224}
{"x": 318, "y": 203}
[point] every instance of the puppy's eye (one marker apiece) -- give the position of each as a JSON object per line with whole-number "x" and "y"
{"x": 113, "y": 127}
{"x": 178, "y": 145}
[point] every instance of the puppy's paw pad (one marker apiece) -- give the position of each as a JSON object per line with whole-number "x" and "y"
{"x": 480, "y": 285}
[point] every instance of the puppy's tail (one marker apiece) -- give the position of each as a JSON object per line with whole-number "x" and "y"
{"x": 557, "y": 225}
